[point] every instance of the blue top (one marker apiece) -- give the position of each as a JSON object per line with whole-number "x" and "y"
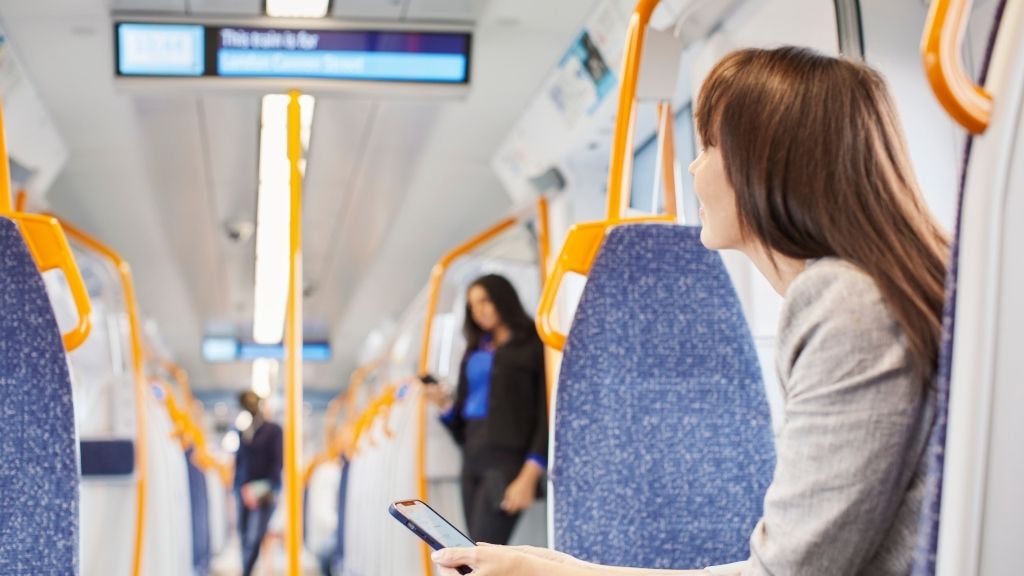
{"x": 478, "y": 373}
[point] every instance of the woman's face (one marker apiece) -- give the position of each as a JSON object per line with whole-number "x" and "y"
{"x": 721, "y": 223}
{"x": 482, "y": 309}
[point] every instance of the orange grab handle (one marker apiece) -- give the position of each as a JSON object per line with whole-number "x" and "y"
{"x": 578, "y": 253}
{"x": 48, "y": 246}
{"x": 50, "y": 250}
{"x": 969, "y": 104}
{"x": 584, "y": 240}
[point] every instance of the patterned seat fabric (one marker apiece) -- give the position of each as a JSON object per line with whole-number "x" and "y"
{"x": 39, "y": 474}
{"x": 663, "y": 440}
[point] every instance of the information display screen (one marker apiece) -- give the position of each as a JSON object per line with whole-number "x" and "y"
{"x": 162, "y": 50}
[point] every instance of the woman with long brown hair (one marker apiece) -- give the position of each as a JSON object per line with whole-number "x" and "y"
{"x": 805, "y": 171}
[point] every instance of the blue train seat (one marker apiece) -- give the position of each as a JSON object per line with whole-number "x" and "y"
{"x": 663, "y": 440}
{"x": 39, "y": 476}
{"x": 199, "y": 500}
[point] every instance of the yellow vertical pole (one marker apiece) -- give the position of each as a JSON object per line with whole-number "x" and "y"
{"x": 293, "y": 348}
{"x": 667, "y": 151}
{"x": 5, "y": 170}
{"x": 551, "y": 356}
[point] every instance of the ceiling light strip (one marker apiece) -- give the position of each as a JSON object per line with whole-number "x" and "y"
{"x": 273, "y": 214}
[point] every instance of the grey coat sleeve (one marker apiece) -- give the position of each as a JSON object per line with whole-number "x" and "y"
{"x": 852, "y": 410}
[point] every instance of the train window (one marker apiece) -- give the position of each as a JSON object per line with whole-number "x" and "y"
{"x": 648, "y": 196}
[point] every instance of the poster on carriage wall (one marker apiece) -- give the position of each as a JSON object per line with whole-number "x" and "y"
{"x": 577, "y": 96}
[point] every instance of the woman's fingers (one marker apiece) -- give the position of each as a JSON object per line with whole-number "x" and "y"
{"x": 455, "y": 557}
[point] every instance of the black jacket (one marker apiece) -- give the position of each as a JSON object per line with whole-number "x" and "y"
{"x": 517, "y": 413}
{"x": 262, "y": 458}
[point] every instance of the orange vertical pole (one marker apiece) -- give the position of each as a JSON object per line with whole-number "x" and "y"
{"x": 667, "y": 151}
{"x": 293, "y": 349}
{"x": 621, "y": 168}
{"x": 551, "y": 356}
{"x": 5, "y": 170}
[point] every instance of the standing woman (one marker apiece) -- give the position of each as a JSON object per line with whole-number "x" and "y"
{"x": 805, "y": 171}
{"x": 499, "y": 413}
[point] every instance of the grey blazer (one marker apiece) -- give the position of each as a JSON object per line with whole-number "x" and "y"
{"x": 849, "y": 479}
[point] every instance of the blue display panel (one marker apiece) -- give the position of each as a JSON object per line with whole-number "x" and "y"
{"x": 343, "y": 55}
{"x": 226, "y": 349}
{"x": 161, "y": 50}
{"x": 197, "y": 50}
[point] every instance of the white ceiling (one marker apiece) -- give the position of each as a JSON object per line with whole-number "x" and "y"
{"x": 391, "y": 183}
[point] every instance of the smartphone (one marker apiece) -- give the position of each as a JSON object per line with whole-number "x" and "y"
{"x": 430, "y": 526}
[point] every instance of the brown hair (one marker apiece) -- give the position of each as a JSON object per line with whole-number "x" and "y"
{"x": 813, "y": 147}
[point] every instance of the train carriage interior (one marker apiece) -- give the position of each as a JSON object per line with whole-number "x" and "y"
{"x": 297, "y": 203}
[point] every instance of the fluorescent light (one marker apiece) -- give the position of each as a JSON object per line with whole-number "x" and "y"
{"x": 297, "y": 8}
{"x": 273, "y": 214}
{"x": 262, "y": 376}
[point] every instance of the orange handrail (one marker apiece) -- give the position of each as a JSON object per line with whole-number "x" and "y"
{"x": 436, "y": 278}
{"x": 180, "y": 376}
{"x": 293, "y": 348}
{"x": 335, "y": 443}
{"x": 49, "y": 248}
{"x": 584, "y": 240}
{"x": 968, "y": 104}
{"x": 138, "y": 370}
{"x": 667, "y": 151}
{"x": 5, "y": 171}
{"x": 193, "y": 432}
{"x": 544, "y": 255}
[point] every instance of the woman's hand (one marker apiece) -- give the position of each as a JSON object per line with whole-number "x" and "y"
{"x": 488, "y": 560}
{"x": 520, "y": 494}
{"x": 437, "y": 395}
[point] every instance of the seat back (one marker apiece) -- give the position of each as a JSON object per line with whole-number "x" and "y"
{"x": 200, "y": 517}
{"x": 663, "y": 440}
{"x": 39, "y": 475}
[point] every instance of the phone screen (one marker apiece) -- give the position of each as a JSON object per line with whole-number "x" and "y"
{"x": 430, "y": 522}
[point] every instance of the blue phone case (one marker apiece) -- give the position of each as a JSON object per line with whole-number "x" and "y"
{"x": 430, "y": 540}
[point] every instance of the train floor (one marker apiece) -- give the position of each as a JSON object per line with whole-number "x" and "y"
{"x": 272, "y": 560}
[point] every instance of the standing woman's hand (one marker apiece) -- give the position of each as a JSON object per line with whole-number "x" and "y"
{"x": 520, "y": 494}
{"x": 437, "y": 395}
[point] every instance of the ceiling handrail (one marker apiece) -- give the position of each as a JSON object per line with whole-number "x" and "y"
{"x": 967, "y": 102}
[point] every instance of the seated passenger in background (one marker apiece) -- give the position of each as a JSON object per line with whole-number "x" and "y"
{"x": 805, "y": 171}
{"x": 499, "y": 413}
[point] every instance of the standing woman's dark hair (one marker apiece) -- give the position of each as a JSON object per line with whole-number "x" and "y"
{"x": 812, "y": 147}
{"x": 506, "y": 302}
